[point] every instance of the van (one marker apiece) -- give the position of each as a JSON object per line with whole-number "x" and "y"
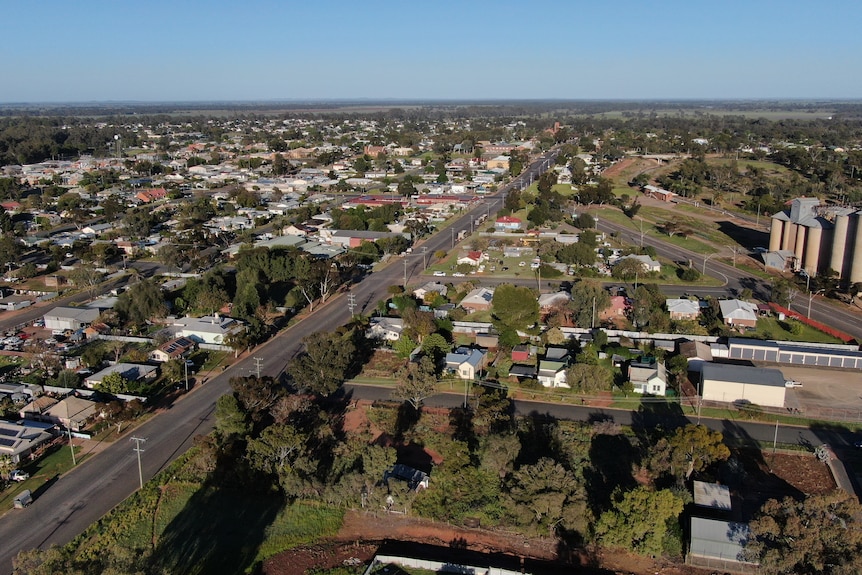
{"x": 23, "y": 499}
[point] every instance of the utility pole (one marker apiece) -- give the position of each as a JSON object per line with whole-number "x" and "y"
{"x": 351, "y": 302}
{"x": 593, "y": 323}
{"x": 424, "y": 257}
{"x": 71, "y": 447}
{"x": 405, "y": 272}
{"x": 186, "y": 366}
{"x": 257, "y": 362}
{"x": 137, "y": 449}
{"x": 453, "y": 237}
{"x": 775, "y": 437}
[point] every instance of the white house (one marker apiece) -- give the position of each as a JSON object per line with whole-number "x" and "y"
{"x": 649, "y": 264}
{"x": 648, "y": 378}
{"x": 682, "y": 309}
{"x": 552, "y": 373}
{"x": 212, "y": 329}
{"x": 386, "y": 328}
{"x": 466, "y": 363}
{"x": 730, "y": 383}
{"x": 430, "y": 287}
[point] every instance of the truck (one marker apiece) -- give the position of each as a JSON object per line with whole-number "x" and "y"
{"x": 23, "y": 499}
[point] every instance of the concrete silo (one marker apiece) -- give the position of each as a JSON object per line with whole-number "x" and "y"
{"x": 799, "y": 246}
{"x": 813, "y": 247}
{"x": 856, "y": 255}
{"x": 775, "y": 235}
{"x": 839, "y": 245}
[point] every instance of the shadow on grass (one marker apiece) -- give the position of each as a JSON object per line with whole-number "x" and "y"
{"x": 218, "y": 531}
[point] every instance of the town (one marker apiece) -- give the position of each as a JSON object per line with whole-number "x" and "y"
{"x": 635, "y": 332}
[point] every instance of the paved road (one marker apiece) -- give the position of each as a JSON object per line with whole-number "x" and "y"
{"x": 68, "y": 505}
{"x": 735, "y": 280}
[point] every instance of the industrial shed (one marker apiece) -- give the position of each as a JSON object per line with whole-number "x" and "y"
{"x": 713, "y": 539}
{"x": 795, "y": 353}
{"x": 729, "y": 383}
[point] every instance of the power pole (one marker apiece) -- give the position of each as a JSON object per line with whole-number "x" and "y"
{"x": 137, "y": 449}
{"x": 72, "y": 447}
{"x": 351, "y": 302}
{"x": 424, "y": 257}
{"x": 405, "y": 272}
{"x": 186, "y": 366}
{"x": 257, "y": 362}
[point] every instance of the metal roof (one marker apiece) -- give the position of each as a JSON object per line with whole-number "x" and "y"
{"x": 743, "y": 374}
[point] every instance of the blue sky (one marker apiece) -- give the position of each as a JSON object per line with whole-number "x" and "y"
{"x": 155, "y": 50}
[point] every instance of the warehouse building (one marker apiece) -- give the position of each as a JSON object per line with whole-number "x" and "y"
{"x": 729, "y": 383}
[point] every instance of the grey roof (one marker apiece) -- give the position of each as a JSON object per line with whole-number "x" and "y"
{"x": 719, "y": 539}
{"x": 737, "y": 309}
{"x": 743, "y": 374}
{"x": 519, "y": 370}
{"x": 80, "y": 314}
{"x": 711, "y": 495}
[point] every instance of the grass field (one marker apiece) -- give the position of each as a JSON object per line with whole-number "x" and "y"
{"x": 43, "y": 474}
{"x": 774, "y": 329}
{"x": 198, "y": 529}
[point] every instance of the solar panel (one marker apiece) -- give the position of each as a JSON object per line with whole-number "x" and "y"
{"x": 7, "y": 442}
{"x": 8, "y": 432}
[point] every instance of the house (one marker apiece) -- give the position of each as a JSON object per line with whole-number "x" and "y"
{"x": 649, "y": 264}
{"x": 619, "y": 307}
{"x": 697, "y": 353}
{"x": 385, "y": 328}
{"x": 522, "y": 372}
{"x": 648, "y": 378}
{"x": 213, "y": 329}
{"x": 520, "y": 353}
{"x": 37, "y": 407}
{"x": 20, "y": 439}
{"x": 71, "y": 413}
{"x": 61, "y": 319}
{"x": 739, "y": 383}
{"x": 147, "y": 196}
{"x": 174, "y": 349}
{"x": 15, "y": 302}
{"x": 498, "y": 163}
{"x": 552, "y": 373}
{"x": 129, "y": 371}
{"x": 473, "y": 258}
{"x": 415, "y": 478}
{"x": 488, "y": 340}
{"x": 738, "y": 313}
{"x": 658, "y": 193}
{"x": 508, "y": 224}
{"x": 712, "y": 496}
{"x": 478, "y": 300}
{"x": 466, "y": 363}
{"x": 682, "y": 309}
{"x": 429, "y": 290}
{"x": 549, "y": 301}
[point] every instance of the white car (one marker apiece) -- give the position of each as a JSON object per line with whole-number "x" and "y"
{"x": 792, "y": 383}
{"x": 457, "y": 275}
{"x": 440, "y": 274}
{"x": 18, "y": 475}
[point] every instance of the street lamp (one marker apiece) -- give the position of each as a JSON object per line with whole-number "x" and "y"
{"x": 706, "y": 259}
{"x": 811, "y": 297}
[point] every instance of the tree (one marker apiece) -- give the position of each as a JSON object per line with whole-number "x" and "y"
{"x": 86, "y": 277}
{"x": 322, "y": 367}
{"x": 639, "y": 520}
{"x": 256, "y": 395}
{"x": 627, "y": 268}
{"x": 113, "y": 383}
{"x": 435, "y": 346}
{"x": 546, "y": 495}
{"x": 231, "y": 421}
{"x": 588, "y": 296}
{"x": 691, "y": 448}
{"x": 143, "y": 301}
{"x": 418, "y": 324}
{"x": 515, "y": 307}
{"x": 820, "y": 534}
{"x": 588, "y": 378}
{"x": 416, "y": 382}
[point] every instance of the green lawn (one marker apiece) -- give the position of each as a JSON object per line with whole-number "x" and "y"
{"x": 43, "y": 473}
{"x": 771, "y": 328}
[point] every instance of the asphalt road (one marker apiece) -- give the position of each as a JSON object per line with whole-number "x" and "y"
{"x": 735, "y": 280}
{"x": 67, "y": 505}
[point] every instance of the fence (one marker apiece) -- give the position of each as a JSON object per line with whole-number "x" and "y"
{"x": 723, "y": 565}
{"x": 815, "y": 324}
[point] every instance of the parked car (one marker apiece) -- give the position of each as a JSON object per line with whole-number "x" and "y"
{"x": 23, "y": 499}
{"x": 440, "y": 274}
{"x": 457, "y": 275}
{"x": 792, "y": 383}
{"x": 18, "y": 475}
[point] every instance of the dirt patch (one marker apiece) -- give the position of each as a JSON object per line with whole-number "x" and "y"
{"x": 362, "y": 534}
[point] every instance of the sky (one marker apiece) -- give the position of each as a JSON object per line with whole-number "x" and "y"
{"x": 256, "y": 50}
